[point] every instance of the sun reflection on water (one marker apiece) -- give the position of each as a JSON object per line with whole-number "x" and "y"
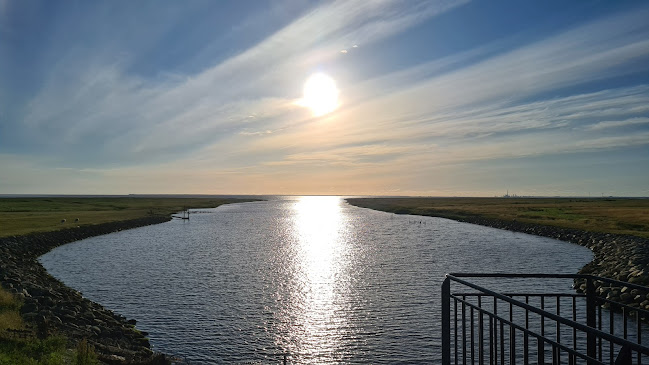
{"x": 321, "y": 257}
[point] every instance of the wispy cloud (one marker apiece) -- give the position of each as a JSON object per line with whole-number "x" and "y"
{"x": 237, "y": 119}
{"x": 619, "y": 123}
{"x": 135, "y": 118}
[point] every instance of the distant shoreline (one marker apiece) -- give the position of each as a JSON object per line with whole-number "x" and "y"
{"x": 615, "y": 256}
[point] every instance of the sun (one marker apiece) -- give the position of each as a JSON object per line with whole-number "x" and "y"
{"x": 320, "y": 94}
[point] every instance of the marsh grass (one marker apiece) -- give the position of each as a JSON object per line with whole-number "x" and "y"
{"x": 620, "y": 215}
{"x": 50, "y": 351}
{"x": 8, "y": 301}
{"x": 10, "y": 320}
{"x": 9, "y": 313}
{"x": 85, "y": 354}
{"x": 20, "y": 216}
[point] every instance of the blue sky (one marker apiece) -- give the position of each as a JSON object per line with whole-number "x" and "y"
{"x": 466, "y": 98}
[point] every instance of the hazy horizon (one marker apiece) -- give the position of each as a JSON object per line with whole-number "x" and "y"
{"x": 198, "y": 195}
{"x": 348, "y": 98}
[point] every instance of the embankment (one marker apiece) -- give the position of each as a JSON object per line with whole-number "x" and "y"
{"x": 619, "y": 257}
{"x": 52, "y": 307}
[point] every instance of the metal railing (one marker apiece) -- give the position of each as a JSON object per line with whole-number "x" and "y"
{"x": 539, "y": 326}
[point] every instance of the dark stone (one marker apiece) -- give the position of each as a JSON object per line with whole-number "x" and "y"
{"x": 49, "y": 306}
{"x": 29, "y": 308}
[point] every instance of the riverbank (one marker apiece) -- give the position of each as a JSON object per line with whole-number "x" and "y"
{"x": 622, "y": 257}
{"x": 25, "y": 215}
{"x": 51, "y": 308}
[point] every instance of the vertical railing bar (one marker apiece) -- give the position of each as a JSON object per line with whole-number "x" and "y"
{"x": 480, "y": 333}
{"x": 599, "y": 327}
{"x": 502, "y": 343}
{"x": 446, "y": 322}
{"x": 526, "y": 338}
{"x": 495, "y": 331}
{"x": 512, "y": 345}
{"x": 491, "y": 341}
{"x": 574, "y": 318}
{"x": 625, "y": 316}
{"x": 558, "y": 329}
{"x": 456, "y": 333}
{"x": 463, "y": 331}
{"x": 542, "y": 317}
{"x": 591, "y": 341}
{"x": 611, "y": 322}
{"x": 511, "y": 333}
{"x": 472, "y": 339}
{"x": 541, "y": 351}
{"x": 639, "y": 322}
{"x": 555, "y": 355}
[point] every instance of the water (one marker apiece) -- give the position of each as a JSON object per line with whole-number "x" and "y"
{"x": 313, "y": 277}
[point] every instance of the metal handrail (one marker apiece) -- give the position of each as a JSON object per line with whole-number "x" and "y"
{"x": 557, "y": 318}
{"x": 590, "y": 329}
{"x": 531, "y": 333}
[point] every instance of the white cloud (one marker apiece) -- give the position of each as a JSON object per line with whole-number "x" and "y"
{"x": 596, "y": 51}
{"x": 132, "y": 116}
{"x": 619, "y": 123}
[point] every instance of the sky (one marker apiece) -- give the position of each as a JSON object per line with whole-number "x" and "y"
{"x": 440, "y": 98}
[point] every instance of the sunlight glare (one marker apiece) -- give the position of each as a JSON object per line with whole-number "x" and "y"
{"x": 319, "y": 220}
{"x": 321, "y": 228}
{"x": 320, "y": 94}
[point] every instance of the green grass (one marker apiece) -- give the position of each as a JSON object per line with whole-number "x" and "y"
{"x": 30, "y": 350}
{"x": 85, "y": 354}
{"x": 20, "y": 216}
{"x": 620, "y": 216}
{"x": 9, "y": 315}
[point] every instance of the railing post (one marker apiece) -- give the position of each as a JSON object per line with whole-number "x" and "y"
{"x": 591, "y": 319}
{"x": 446, "y": 321}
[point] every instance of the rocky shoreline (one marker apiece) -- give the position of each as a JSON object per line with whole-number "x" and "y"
{"x": 619, "y": 257}
{"x": 51, "y": 307}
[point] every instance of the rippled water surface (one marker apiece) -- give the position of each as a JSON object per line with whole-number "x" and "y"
{"x": 313, "y": 277}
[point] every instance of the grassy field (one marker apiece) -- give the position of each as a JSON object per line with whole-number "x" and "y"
{"x": 25, "y": 215}
{"x": 610, "y": 215}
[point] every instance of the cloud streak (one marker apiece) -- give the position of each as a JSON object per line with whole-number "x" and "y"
{"x": 238, "y": 118}
{"x": 133, "y": 116}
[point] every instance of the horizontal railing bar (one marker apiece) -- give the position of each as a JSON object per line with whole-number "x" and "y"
{"x": 549, "y": 276}
{"x": 527, "y": 331}
{"x": 526, "y": 295}
{"x": 522, "y": 276}
{"x": 554, "y": 317}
